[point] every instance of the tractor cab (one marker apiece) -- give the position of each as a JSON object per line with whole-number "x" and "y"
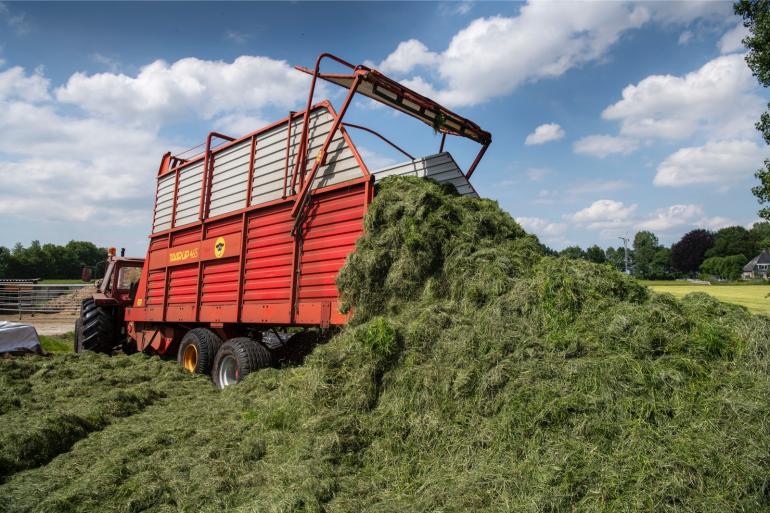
{"x": 118, "y": 287}
{"x": 100, "y": 326}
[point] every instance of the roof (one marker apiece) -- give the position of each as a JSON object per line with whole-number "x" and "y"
{"x": 762, "y": 258}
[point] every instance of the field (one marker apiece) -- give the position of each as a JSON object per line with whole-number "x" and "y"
{"x": 477, "y": 375}
{"x": 753, "y": 297}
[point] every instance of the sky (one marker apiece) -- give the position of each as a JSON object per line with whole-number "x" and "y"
{"x": 607, "y": 117}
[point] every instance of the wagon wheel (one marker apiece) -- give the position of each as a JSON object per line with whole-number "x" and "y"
{"x": 237, "y": 358}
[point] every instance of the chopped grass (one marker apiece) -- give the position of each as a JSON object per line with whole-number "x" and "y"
{"x": 477, "y": 375}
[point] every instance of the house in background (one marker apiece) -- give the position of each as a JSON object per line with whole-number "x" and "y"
{"x": 758, "y": 267}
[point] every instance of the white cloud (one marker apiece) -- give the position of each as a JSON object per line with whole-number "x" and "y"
{"x": 494, "y": 55}
{"x": 108, "y": 62}
{"x": 536, "y": 174}
{"x": 675, "y": 216}
{"x": 545, "y": 133}
{"x": 604, "y": 145}
{"x": 541, "y": 227}
{"x": 717, "y": 99}
{"x": 375, "y": 160}
{"x": 16, "y": 84}
{"x": 455, "y": 8}
{"x": 604, "y": 214}
{"x": 715, "y": 223}
{"x": 722, "y": 162}
{"x": 17, "y": 22}
{"x": 407, "y": 56}
{"x": 731, "y": 40}
{"x": 187, "y": 89}
{"x": 685, "y": 37}
{"x": 97, "y": 165}
{"x": 237, "y": 37}
{"x": 237, "y": 125}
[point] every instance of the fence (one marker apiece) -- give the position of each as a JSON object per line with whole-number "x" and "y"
{"x": 19, "y": 298}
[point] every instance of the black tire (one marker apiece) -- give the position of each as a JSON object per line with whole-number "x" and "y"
{"x": 237, "y": 358}
{"x": 201, "y": 343}
{"x": 96, "y": 331}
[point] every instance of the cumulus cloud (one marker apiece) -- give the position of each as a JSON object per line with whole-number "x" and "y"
{"x": 542, "y": 228}
{"x": 719, "y": 162}
{"x": 715, "y": 223}
{"x": 407, "y": 56}
{"x": 97, "y": 164}
{"x": 675, "y": 216}
{"x": 545, "y": 133}
{"x": 611, "y": 218}
{"x": 603, "y": 214}
{"x": 604, "y": 145}
{"x": 494, "y": 55}
{"x": 731, "y": 41}
{"x": 237, "y": 125}
{"x": 17, "y": 84}
{"x": 717, "y": 99}
{"x": 187, "y": 89}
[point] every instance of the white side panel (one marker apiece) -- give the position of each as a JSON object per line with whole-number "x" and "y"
{"x": 189, "y": 195}
{"x": 164, "y": 199}
{"x": 231, "y": 171}
{"x": 228, "y": 181}
{"x": 440, "y": 167}
{"x": 270, "y": 159}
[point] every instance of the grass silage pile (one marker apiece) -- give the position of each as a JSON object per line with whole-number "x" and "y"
{"x": 477, "y": 375}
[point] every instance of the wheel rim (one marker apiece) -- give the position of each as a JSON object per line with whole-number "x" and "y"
{"x": 190, "y": 358}
{"x": 228, "y": 371}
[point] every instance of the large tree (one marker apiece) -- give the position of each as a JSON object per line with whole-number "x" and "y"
{"x": 733, "y": 240}
{"x": 761, "y": 234}
{"x": 617, "y": 257}
{"x": 756, "y": 17}
{"x": 596, "y": 254}
{"x": 688, "y": 254}
{"x": 574, "y": 252}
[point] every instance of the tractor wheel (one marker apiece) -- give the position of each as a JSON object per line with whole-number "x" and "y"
{"x": 96, "y": 330}
{"x": 237, "y": 358}
{"x": 197, "y": 350}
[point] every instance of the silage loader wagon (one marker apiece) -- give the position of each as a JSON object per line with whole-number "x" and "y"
{"x": 248, "y": 236}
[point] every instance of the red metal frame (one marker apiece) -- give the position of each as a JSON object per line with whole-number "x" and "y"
{"x": 388, "y": 141}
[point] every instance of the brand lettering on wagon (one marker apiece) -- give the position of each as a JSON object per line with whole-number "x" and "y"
{"x": 182, "y": 255}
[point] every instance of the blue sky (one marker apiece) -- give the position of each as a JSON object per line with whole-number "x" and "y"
{"x": 607, "y": 117}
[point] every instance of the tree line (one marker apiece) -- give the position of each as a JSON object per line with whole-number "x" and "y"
{"x": 720, "y": 254}
{"x": 49, "y": 260}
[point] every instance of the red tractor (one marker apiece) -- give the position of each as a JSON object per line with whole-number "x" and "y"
{"x": 248, "y": 236}
{"x": 101, "y": 326}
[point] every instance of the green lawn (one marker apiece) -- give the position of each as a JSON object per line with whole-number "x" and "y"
{"x": 57, "y": 343}
{"x": 752, "y": 297}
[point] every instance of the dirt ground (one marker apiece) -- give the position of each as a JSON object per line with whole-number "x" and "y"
{"x": 56, "y": 324}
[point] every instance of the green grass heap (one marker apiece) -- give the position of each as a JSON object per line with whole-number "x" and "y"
{"x": 477, "y": 375}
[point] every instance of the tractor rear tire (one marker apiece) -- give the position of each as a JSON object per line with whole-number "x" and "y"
{"x": 197, "y": 350}
{"x": 237, "y": 358}
{"x": 96, "y": 329}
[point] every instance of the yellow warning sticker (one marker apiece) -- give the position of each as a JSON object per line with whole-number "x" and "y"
{"x": 219, "y": 247}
